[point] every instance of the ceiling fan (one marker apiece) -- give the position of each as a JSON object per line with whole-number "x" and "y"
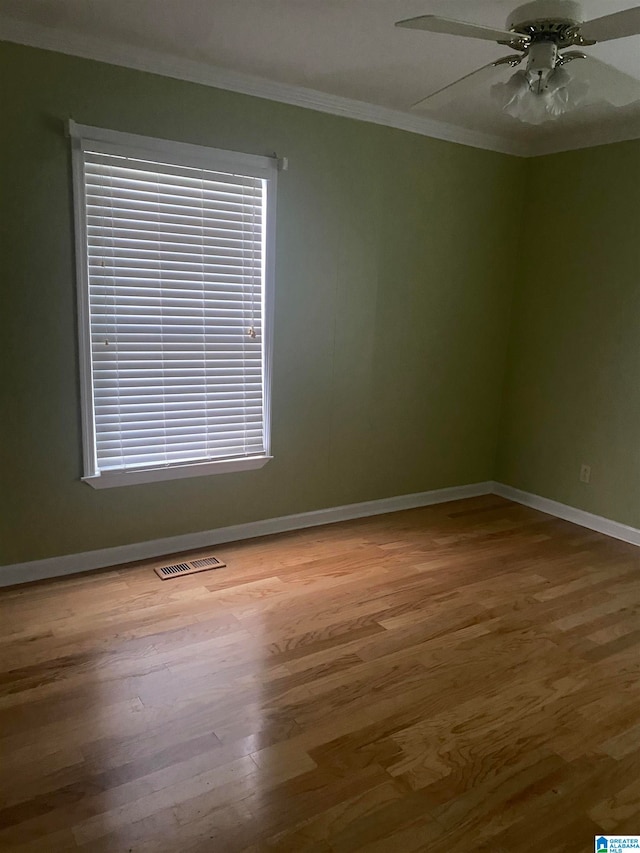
{"x": 542, "y": 33}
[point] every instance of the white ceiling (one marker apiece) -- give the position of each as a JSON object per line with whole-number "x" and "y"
{"x": 345, "y": 48}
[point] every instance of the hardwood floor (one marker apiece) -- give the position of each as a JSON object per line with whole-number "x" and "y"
{"x": 463, "y": 677}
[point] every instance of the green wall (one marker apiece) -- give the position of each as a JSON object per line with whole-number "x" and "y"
{"x": 400, "y": 363}
{"x": 573, "y": 389}
{"x": 394, "y": 275}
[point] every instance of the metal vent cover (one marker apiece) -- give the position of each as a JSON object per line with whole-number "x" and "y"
{"x": 205, "y": 562}
{"x": 188, "y": 567}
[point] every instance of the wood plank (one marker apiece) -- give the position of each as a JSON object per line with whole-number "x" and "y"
{"x": 462, "y": 677}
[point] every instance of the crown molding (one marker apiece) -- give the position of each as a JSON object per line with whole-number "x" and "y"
{"x": 154, "y": 62}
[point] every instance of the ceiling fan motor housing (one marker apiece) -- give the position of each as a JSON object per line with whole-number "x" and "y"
{"x": 560, "y": 11}
{"x": 551, "y": 26}
{"x": 555, "y": 21}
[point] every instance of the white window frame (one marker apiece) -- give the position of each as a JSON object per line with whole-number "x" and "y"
{"x": 85, "y": 138}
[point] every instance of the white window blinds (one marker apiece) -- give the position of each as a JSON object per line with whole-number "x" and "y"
{"x": 175, "y": 258}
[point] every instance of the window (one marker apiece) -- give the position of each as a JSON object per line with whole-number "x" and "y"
{"x": 175, "y": 268}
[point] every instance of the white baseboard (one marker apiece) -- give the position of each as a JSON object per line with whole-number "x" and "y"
{"x": 570, "y": 513}
{"x": 89, "y": 560}
{"x": 70, "y": 564}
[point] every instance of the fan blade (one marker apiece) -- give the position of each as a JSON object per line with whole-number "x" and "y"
{"x": 466, "y": 84}
{"x": 605, "y": 82}
{"x": 616, "y": 26}
{"x": 434, "y": 24}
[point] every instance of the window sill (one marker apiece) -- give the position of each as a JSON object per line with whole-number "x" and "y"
{"x": 135, "y": 476}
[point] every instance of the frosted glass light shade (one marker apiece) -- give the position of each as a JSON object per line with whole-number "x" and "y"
{"x": 560, "y": 94}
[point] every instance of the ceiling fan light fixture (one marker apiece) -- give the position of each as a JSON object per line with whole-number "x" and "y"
{"x": 506, "y": 93}
{"x": 558, "y": 79}
{"x": 529, "y": 107}
{"x": 529, "y": 99}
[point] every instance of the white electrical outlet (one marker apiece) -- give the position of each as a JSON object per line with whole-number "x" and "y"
{"x": 585, "y": 473}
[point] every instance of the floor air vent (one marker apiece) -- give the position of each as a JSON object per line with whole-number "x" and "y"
{"x": 206, "y": 563}
{"x": 189, "y": 567}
